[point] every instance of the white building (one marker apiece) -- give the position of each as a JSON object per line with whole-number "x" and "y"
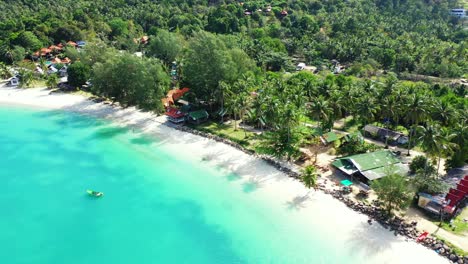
{"x": 458, "y": 12}
{"x": 14, "y": 81}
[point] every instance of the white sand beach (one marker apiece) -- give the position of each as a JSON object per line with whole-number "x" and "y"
{"x": 349, "y": 228}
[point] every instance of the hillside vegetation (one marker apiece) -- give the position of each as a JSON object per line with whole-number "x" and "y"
{"x": 415, "y": 36}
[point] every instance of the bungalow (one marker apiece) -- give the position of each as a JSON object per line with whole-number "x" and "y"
{"x": 175, "y": 115}
{"x": 197, "y": 117}
{"x": 383, "y": 134}
{"x": 370, "y": 166}
{"x": 356, "y": 135}
{"x": 63, "y": 71}
{"x": 80, "y": 44}
{"x": 71, "y": 43}
{"x": 458, "y": 12}
{"x": 329, "y": 138}
{"x": 14, "y": 81}
{"x": 173, "y": 95}
{"x": 52, "y": 69}
{"x": 303, "y": 67}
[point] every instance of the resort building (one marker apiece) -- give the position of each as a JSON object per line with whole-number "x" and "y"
{"x": 175, "y": 115}
{"x": 384, "y": 134}
{"x": 367, "y": 167}
{"x": 14, "y": 81}
{"x": 448, "y": 204}
{"x": 197, "y": 117}
{"x": 329, "y": 138}
{"x": 458, "y": 12}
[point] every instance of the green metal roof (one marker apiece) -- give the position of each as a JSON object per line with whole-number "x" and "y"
{"x": 330, "y": 137}
{"x": 198, "y": 114}
{"x": 317, "y": 131}
{"x": 356, "y": 134}
{"x": 372, "y": 165}
{"x": 373, "y": 160}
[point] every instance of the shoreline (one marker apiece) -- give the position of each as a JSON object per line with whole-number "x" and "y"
{"x": 151, "y": 124}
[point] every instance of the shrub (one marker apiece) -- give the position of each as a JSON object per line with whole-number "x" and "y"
{"x": 421, "y": 164}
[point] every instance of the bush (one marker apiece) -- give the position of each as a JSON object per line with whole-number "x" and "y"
{"x": 421, "y": 164}
{"x": 356, "y": 146}
{"x": 429, "y": 184}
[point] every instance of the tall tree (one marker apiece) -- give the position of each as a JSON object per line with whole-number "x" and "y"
{"x": 78, "y": 74}
{"x": 132, "y": 81}
{"x": 321, "y": 111}
{"x": 417, "y": 109}
{"x": 433, "y": 142}
{"x": 393, "y": 190}
{"x": 165, "y": 46}
{"x": 209, "y": 61}
{"x": 309, "y": 177}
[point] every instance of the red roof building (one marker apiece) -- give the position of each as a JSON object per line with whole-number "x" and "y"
{"x": 71, "y": 43}
{"x": 175, "y": 115}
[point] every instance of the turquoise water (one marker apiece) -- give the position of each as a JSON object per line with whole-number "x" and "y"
{"x": 157, "y": 207}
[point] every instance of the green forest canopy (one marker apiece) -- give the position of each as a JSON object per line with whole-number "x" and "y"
{"x": 416, "y": 36}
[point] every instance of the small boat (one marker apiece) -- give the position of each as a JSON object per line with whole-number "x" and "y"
{"x": 94, "y": 193}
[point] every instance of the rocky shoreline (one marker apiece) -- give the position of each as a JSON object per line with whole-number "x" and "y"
{"x": 397, "y": 225}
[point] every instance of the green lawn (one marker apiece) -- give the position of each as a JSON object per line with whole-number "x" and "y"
{"x": 457, "y": 250}
{"x": 38, "y": 84}
{"x": 351, "y": 125}
{"x": 458, "y": 226}
{"x": 244, "y": 138}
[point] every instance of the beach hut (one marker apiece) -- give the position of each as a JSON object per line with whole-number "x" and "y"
{"x": 383, "y": 134}
{"x": 71, "y": 43}
{"x": 175, "y": 115}
{"x": 81, "y": 44}
{"x": 14, "y": 81}
{"x": 329, "y": 138}
{"x": 198, "y": 117}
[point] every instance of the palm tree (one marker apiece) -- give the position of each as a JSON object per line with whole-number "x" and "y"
{"x": 223, "y": 89}
{"x": 434, "y": 143}
{"x": 459, "y": 139}
{"x": 309, "y": 177}
{"x": 443, "y": 112}
{"x": 366, "y": 108}
{"x": 320, "y": 110}
{"x": 416, "y": 111}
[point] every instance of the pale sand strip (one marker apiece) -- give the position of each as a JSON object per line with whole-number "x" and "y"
{"x": 349, "y": 228}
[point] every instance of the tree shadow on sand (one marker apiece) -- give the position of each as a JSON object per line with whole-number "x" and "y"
{"x": 143, "y": 140}
{"x": 369, "y": 239}
{"x": 233, "y": 176}
{"x": 252, "y": 184}
{"x": 298, "y": 202}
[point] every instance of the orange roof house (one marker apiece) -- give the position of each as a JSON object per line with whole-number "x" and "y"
{"x": 55, "y": 48}
{"x": 56, "y": 60}
{"x": 71, "y": 43}
{"x": 175, "y": 94}
{"x": 66, "y": 60}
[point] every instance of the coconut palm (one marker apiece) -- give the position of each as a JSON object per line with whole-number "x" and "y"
{"x": 320, "y": 110}
{"x": 416, "y": 110}
{"x": 366, "y": 109}
{"x": 443, "y": 112}
{"x": 223, "y": 89}
{"x": 434, "y": 143}
{"x": 309, "y": 177}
